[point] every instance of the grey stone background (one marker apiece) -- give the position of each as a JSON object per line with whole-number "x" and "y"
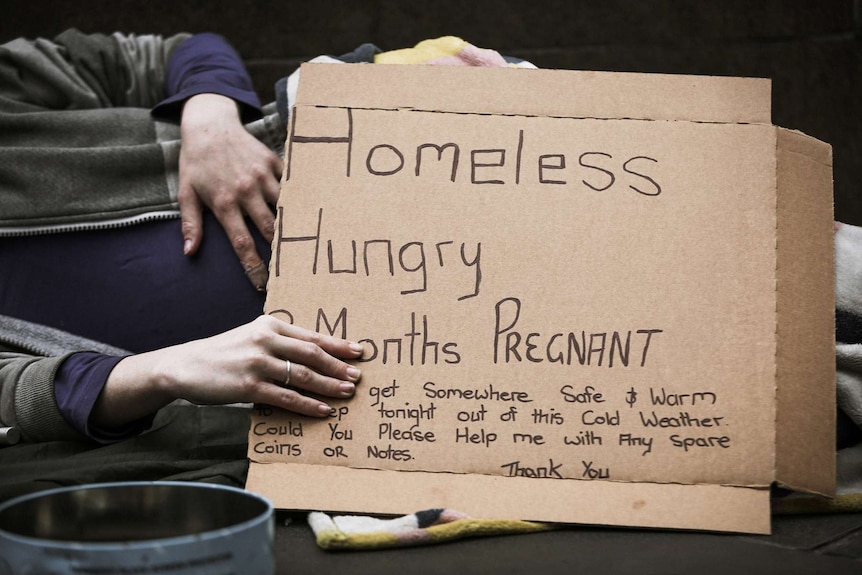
{"x": 810, "y": 48}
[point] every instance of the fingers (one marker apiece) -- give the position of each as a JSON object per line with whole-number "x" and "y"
{"x": 258, "y": 205}
{"x": 260, "y": 190}
{"x": 191, "y": 214}
{"x": 240, "y": 238}
{"x": 309, "y": 379}
{"x": 306, "y": 390}
{"x": 335, "y": 347}
{"x": 263, "y": 218}
{"x": 252, "y": 195}
{"x": 233, "y": 222}
{"x": 271, "y": 190}
{"x": 314, "y": 379}
{"x": 243, "y": 245}
{"x": 294, "y": 401}
{"x": 312, "y": 369}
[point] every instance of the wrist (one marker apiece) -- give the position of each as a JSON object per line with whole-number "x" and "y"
{"x": 135, "y": 388}
{"x": 207, "y": 107}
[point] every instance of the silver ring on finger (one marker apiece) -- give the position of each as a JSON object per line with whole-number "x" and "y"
{"x": 287, "y": 379}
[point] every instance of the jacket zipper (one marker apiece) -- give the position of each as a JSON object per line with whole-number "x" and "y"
{"x": 89, "y": 226}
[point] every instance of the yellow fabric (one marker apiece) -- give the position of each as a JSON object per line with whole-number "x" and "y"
{"x": 423, "y": 51}
{"x": 797, "y": 504}
{"x": 333, "y": 540}
{"x": 482, "y": 527}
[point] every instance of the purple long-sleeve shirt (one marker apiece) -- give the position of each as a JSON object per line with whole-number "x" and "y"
{"x": 205, "y": 63}
{"x": 194, "y": 297}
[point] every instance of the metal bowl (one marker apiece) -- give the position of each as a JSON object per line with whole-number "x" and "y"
{"x": 140, "y": 527}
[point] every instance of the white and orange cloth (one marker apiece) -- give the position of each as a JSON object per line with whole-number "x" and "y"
{"x": 354, "y": 532}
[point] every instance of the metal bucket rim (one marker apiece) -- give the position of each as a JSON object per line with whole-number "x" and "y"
{"x": 145, "y": 543}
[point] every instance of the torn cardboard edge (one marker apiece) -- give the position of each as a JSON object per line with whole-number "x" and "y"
{"x": 553, "y": 93}
{"x": 622, "y": 504}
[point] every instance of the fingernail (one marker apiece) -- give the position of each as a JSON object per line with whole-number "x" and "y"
{"x": 353, "y": 373}
{"x": 187, "y": 247}
{"x": 347, "y": 388}
{"x": 324, "y": 409}
{"x": 258, "y": 275}
{"x": 357, "y": 347}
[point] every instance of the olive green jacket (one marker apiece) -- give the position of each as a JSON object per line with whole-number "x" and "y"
{"x": 79, "y": 149}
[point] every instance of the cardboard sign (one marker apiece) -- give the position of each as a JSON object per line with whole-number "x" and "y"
{"x": 583, "y": 297}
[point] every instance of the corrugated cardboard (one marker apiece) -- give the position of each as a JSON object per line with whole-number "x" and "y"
{"x": 614, "y": 307}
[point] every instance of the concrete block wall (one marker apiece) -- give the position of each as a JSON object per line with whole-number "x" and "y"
{"x": 812, "y": 49}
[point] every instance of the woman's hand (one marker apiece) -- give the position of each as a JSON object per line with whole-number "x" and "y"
{"x": 246, "y": 364}
{"x": 228, "y": 170}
